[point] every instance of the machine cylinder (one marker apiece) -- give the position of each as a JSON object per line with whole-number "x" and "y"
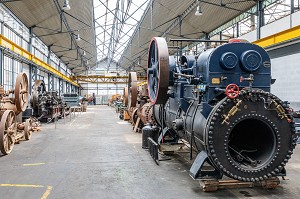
{"x": 148, "y": 131}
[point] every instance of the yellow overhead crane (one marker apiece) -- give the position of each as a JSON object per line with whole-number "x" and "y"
{"x": 5, "y": 42}
{"x": 104, "y": 79}
{"x": 280, "y": 37}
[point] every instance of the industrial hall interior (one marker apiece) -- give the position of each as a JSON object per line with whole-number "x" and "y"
{"x": 149, "y": 99}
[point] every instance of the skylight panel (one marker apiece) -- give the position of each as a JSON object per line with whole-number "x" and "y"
{"x": 115, "y": 22}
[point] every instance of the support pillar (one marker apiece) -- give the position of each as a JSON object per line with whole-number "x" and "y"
{"x": 207, "y": 44}
{"x": 68, "y": 87}
{"x": 61, "y": 86}
{"x": 33, "y": 74}
{"x": 50, "y": 82}
{"x": 260, "y": 18}
{"x": 292, "y": 6}
{"x": 237, "y": 30}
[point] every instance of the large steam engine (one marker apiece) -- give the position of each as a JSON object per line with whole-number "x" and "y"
{"x": 47, "y": 105}
{"x": 12, "y": 103}
{"x": 220, "y": 102}
{"x": 137, "y": 100}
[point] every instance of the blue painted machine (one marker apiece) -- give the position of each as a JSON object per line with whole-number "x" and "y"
{"x": 220, "y": 102}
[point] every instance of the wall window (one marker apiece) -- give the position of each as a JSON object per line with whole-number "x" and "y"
{"x": 17, "y": 32}
{"x": 11, "y": 69}
{"x": 7, "y": 73}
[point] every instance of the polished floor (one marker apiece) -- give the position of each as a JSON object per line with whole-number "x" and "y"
{"x": 96, "y": 155}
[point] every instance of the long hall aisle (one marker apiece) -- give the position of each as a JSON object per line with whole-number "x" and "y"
{"x": 96, "y": 155}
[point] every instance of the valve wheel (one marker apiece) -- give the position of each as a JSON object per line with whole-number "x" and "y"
{"x": 21, "y": 92}
{"x": 232, "y": 91}
{"x": 132, "y": 89}
{"x": 8, "y": 130}
{"x": 158, "y": 71}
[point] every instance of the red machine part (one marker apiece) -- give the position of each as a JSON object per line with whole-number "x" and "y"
{"x": 232, "y": 91}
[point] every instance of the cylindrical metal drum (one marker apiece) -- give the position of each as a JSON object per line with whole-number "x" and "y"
{"x": 148, "y": 131}
{"x": 246, "y": 138}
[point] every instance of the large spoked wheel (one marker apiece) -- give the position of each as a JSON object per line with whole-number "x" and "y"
{"x": 38, "y": 88}
{"x": 132, "y": 89}
{"x": 134, "y": 116}
{"x": 21, "y": 92}
{"x": 158, "y": 71}
{"x": 125, "y": 96}
{"x": 27, "y": 129}
{"x": 8, "y": 130}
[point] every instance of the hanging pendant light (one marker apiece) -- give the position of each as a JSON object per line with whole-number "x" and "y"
{"x": 66, "y": 5}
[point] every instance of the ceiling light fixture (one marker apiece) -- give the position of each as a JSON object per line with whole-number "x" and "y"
{"x": 66, "y": 5}
{"x": 198, "y": 10}
{"x": 77, "y": 37}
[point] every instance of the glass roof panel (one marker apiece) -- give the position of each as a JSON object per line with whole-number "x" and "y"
{"x": 115, "y": 22}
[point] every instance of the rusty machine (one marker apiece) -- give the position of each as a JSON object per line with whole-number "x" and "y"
{"x": 12, "y": 104}
{"x": 116, "y": 102}
{"x": 113, "y": 99}
{"x": 124, "y": 113}
{"x": 220, "y": 102}
{"x": 47, "y": 105}
{"x": 137, "y": 101}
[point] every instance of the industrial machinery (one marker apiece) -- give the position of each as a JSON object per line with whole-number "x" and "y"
{"x": 12, "y": 104}
{"x": 116, "y": 102}
{"x": 145, "y": 112}
{"x": 71, "y": 99}
{"x": 132, "y": 94}
{"x": 47, "y": 105}
{"x": 124, "y": 115}
{"x": 220, "y": 102}
{"x": 139, "y": 108}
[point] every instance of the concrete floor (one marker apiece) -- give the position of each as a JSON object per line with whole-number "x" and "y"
{"x": 96, "y": 155}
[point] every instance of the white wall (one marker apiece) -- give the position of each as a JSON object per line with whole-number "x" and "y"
{"x": 286, "y": 71}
